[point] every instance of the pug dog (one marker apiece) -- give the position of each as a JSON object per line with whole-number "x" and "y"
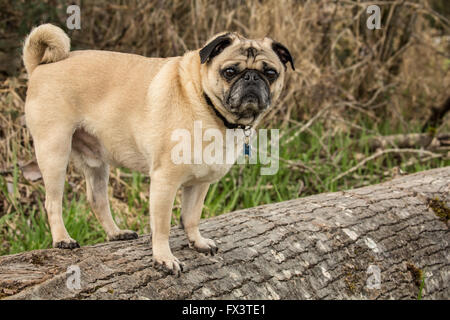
{"x": 102, "y": 108}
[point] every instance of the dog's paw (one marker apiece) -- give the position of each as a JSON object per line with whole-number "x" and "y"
{"x": 168, "y": 264}
{"x": 66, "y": 244}
{"x": 123, "y": 235}
{"x": 204, "y": 245}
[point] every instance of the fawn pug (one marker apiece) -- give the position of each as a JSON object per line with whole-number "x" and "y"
{"x": 103, "y": 108}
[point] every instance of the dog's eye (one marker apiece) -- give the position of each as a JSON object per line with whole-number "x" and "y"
{"x": 270, "y": 73}
{"x": 229, "y": 72}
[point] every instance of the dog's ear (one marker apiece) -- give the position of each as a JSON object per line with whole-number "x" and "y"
{"x": 214, "y": 47}
{"x": 283, "y": 53}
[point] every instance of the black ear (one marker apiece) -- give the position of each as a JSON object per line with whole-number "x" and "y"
{"x": 214, "y": 47}
{"x": 283, "y": 53}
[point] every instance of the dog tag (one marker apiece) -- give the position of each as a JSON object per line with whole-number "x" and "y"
{"x": 247, "y": 147}
{"x": 247, "y": 150}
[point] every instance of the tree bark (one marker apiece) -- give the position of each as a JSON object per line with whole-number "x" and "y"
{"x": 326, "y": 246}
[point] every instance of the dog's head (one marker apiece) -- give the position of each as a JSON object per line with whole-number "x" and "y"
{"x": 243, "y": 77}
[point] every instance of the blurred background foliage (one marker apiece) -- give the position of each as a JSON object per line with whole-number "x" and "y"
{"x": 362, "y": 106}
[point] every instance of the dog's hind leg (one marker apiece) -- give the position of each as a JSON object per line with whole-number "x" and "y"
{"x": 52, "y": 153}
{"x": 97, "y": 194}
{"x": 87, "y": 156}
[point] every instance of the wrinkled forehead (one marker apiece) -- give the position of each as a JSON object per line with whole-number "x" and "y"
{"x": 253, "y": 54}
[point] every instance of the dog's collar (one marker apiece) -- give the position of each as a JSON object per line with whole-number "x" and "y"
{"x": 227, "y": 124}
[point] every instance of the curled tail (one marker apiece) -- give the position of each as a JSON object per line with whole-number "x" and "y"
{"x": 45, "y": 44}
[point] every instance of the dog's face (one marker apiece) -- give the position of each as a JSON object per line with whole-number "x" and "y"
{"x": 243, "y": 77}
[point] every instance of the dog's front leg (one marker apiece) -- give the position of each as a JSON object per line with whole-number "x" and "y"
{"x": 162, "y": 195}
{"x": 193, "y": 198}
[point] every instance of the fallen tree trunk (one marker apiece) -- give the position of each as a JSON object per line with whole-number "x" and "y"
{"x": 376, "y": 242}
{"x": 440, "y": 142}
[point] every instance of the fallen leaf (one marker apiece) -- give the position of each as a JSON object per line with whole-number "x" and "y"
{"x": 31, "y": 171}
{"x": 10, "y": 187}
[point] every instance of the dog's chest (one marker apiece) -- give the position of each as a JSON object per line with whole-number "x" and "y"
{"x": 210, "y": 172}
{"x": 214, "y": 165}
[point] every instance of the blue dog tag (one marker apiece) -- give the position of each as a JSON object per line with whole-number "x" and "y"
{"x": 246, "y": 149}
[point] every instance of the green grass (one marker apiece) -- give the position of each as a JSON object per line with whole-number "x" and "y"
{"x": 24, "y": 225}
{"x": 422, "y": 286}
{"x": 26, "y": 228}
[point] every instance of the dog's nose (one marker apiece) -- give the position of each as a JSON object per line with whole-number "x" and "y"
{"x": 251, "y": 76}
